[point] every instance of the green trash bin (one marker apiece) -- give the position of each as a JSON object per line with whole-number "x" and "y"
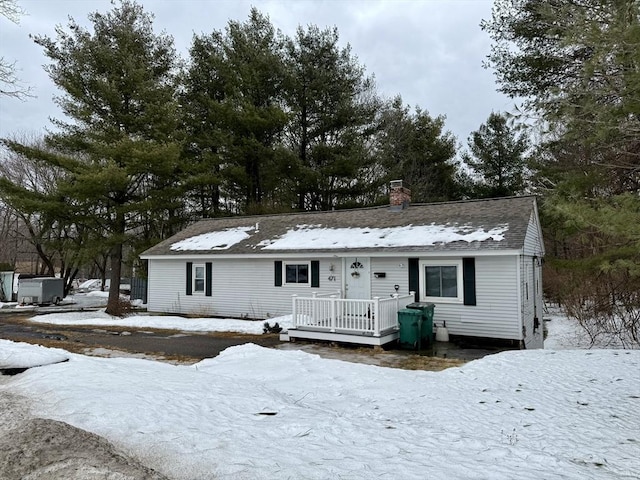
{"x": 426, "y": 327}
{"x": 409, "y": 322}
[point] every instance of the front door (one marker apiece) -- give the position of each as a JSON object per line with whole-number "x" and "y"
{"x": 357, "y": 274}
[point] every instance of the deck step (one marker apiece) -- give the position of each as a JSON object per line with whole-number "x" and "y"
{"x": 284, "y": 337}
{"x": 308, "y": 334}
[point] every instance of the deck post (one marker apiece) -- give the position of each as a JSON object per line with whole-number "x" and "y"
{"x": 293, "y": 311}
{"x": 397, "y": 309}
{"x": 376, "y": 316}
{"x": 314, "y": 308}
{"x": 333, "y": 313}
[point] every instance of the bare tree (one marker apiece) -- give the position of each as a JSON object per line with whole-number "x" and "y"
{"x": 26, "y": 185}
{"x": 10, "y": 84}
{"x": 8, "y": 240}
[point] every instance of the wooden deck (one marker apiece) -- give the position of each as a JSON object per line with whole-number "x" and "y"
{"x": 329, "y": 317}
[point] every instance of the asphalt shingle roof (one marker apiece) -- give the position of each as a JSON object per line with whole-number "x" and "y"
{"x": 488, "y": 214}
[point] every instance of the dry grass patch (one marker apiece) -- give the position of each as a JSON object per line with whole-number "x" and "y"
{"x": 377, "y": 356}
{"x": 434, "y": 364}
{"x": 68, "y": 345}
{"x": 108, "y": 350}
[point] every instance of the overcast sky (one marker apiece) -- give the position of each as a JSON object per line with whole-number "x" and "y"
{"x": 428, "y": 51}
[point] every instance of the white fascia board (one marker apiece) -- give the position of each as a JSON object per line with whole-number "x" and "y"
{"x": 459, "y": 253}
{"x": 339, "y": 254}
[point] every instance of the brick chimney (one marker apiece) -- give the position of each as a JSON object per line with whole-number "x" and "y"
{"x": 399, "y": 196}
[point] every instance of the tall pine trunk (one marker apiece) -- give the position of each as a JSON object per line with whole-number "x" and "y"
{"x": 115, "y": 260}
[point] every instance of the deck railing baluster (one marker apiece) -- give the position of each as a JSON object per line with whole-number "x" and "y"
{"x": 372, "y": 317}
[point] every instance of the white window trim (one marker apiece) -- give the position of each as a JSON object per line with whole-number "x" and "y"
{"x": 284, "y": 273}
{"x": 204, "y": 279}
{"x": 442, "y": 263}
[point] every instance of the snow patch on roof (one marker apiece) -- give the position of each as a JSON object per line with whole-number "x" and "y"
{"x": 214, "y": 240}
{"x": 305, "y": 237}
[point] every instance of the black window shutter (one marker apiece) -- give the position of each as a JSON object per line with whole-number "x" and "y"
{"x": 469, "y": 280}
{"x": 208, "y": 272}
{"x": 315, "y": 273}
{"x": 414, "y": 277}
{"x": 277, "y": 273}
{"x": 189, "y": 277}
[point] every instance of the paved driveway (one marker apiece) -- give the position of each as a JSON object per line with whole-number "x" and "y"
{"x": 168, "y": 344}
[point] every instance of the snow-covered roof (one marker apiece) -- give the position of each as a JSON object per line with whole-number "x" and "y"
{"x": 494, "y": 224}
{"x": 222, "y": 240}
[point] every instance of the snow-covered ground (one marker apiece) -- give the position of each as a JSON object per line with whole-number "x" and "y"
{"x": 93, "y": 299}
{"x": 161, "y": 321}
{"x": 257, "y": 413}
{"x": 563, "y": 333}
{"x": 98, "y": 299}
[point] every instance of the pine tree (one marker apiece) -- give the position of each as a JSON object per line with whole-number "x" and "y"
{"x": 576, "y": 63}
{"x": 414, "y": 147}
{"x": 497, "y": 155}
{"x": 332, "y": 105}
{"x": 235, "y": 116}
{"x": 117, "y": 149}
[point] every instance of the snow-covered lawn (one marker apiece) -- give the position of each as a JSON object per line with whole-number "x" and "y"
{"x": 257, "y": 413}
{"x": 160, "y": 321}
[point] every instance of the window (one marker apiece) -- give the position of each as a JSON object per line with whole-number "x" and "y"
{"x": 198, "y": 278}
{"x": 297, "y": 273}
{"x": 303, "y": 273}
{"x": 441, "y": 280}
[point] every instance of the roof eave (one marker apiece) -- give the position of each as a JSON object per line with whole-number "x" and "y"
{"x": 340, "y": 253}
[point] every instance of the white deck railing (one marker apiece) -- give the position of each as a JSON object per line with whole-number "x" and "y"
{"x": 331, "y": 313}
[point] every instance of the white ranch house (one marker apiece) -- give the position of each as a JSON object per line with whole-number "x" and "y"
{"x": 345, "y": 274}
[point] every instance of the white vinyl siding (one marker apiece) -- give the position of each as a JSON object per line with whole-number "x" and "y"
{"x": 245, "y": 288}
{"x": 530, "y": 269}
{"x": 496, "y": 313}
{"x": 532, "y": 240}
{"x": 531, "y": 284}
{"x": 240, "y": 288}
{"x": 396, "y": 271}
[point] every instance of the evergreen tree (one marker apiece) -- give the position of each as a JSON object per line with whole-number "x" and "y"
{"x": 206, "y": 125}
{"x": 332, "y": 104}
{"x": 42, "y": 216}
{"x": 118, "y": 150}
{"x": 576, "y": 63}
{"x": 414, "y": 147}
{"x": 497, "y": 155}
{"x": 234, "y": 89}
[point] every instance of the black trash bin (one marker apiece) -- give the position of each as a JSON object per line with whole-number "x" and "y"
{"x": 426, "y": 327}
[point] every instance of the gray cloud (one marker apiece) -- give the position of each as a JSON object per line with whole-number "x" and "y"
{"x": 428, "y": 51}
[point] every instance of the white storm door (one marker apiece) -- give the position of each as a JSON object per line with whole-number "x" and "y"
{"x": 357, "y": 274}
